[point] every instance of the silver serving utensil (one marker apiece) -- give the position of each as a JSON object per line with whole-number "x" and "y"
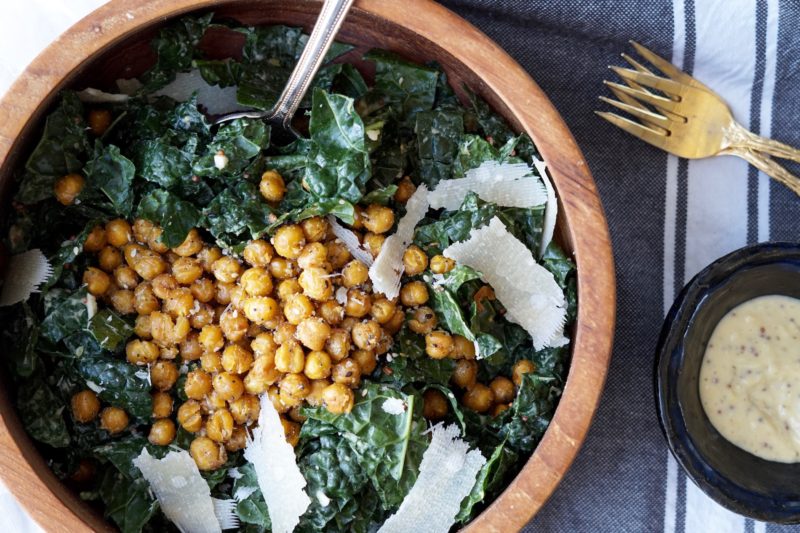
{"x": 325, "y": 29}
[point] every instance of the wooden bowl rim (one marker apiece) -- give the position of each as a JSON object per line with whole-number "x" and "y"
{"x": 579, "y": 200}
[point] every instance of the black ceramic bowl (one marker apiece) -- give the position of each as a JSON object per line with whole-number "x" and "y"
{"x": 734, "y": 478}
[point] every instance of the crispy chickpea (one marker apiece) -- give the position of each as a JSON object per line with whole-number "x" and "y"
{"x": 256, "y": 281}
{"x": 211, "y": 362}
{"x": 212, "y": 402}
{"x": 144, "y": 299}
{"x": 125, "y": 277}
{"x": 435, "y": 405}
{"x": 219, "y": 426}
{"x": 338, "y": 344}
{"x": 96, "y": 281}
{"x": 85, "y": 406}
{"x": 358, "y": 218}
{"x": 316, "y": 284}
{"x": 122, "y": 302}
{"x": 226, "y": 269}
{"x": 95, "y": 240}
{"x": 228, "y": 386}
{"x": 503, "y": 389}
{"x": 109, "y": 258}
{"x": 284, "y": 332}
{"x": 238, "y": 440}
{"x": 190, "y": 416}
{"x": 385, "y": 343}
{"x": 478, "y": 398}
{"x": 314, "y": 397}
{"x": 162, "y": 405}
{"x": 358, "y": 303}
{"x": 68, "y": 187}
{"x": 168, "y": 352}
{"x": 113, "y": 419}
{"x": 140, "y": 352}
{"x": 297, "y": 308}
{"x": 264, "y": 345}
{"x": 338, "y": 398}
{"x": 295, "y": 413}
{"x": 312, "y": 332}
{"x": 260, "y": 309}
{"x": 197, "y": 385}
{"x": 290, "y": 357}
{"x": 414, "y": 260}
{"x": 142, "y": 230}
{"x": 291, "y": 431}
{"x": 287, "y": 288}
{"x": 438, "y": 344}
{"x": 163, "y": 375}
{"x": 441, "y": 264}
{"x": 348, "y": 323}
{"x": 246, "y": 409}
{"x": 147, "y": 263}
{"x": 289, "y": 241}
{"x": 141, "y": 327}
{"x": 84, "y": 472}
{"x": 162, "y": 432}
{"x": 520, "y": 368}
{"x": 261, "y": 376}
{"x": 395, "y": 323}
{"x": 236, "y": 359}
{"x": 190, "y": 347}
{"x": 201, "y": 315}
{"x": 498, "y": 409}
{"x": 294, "y": 386}
{"x": 338, "y": 254}
{"x": 315, "y": 229}
{"x": 378, "y": 218}
{"x": 271, "y": 186}
{"x": 207, "y": 454}
{"x": 367, "y": 360}
{"x": 207, "y": 256}
{"x": 282, "y": 268}
{"x": 99, "y": 120}
{"x": 222, "y": 292}
{"x": 318, "y": 365}
{"x": 234, "y": 325}
{"x": 186, "y": 270}
{"x": 274, "y": 395}
{"x": 354, "y": 273}
{"x": 382, "y": 310}
{"x": 203, "y": 290}
{"x": 373, "y": 242}
{"x": 118, "y": 232}
{"x": 191, "y": 245}
{"x": 405, "y": 188}
{"x": 258, "y": 253}
{"x": 414, "y": 293}
{"x": 180, "y": 302}
{"x": 331, "y": 312}
{"x": 463, "y": 348}
{"x": 465, "y": 374}
{"x": 314, "y": 254}
{"x": 211, "y": 338}
{"x": 366, "y": 334}
{"x": 347, "y": 372}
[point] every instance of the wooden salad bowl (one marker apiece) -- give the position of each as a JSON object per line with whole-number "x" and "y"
{"x": 113, "y": 42}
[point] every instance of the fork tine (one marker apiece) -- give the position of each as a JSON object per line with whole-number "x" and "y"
{"x": 665, "y": 66}
{"x": 662, "y": 103}
{"x": 637, "y": 111}
{"x": 637, "y": 130}
{"x": 635, "y": 64}
{"x": 649, "y": 80}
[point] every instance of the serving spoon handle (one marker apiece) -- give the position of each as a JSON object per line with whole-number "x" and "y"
{"x": 325, "y": 29}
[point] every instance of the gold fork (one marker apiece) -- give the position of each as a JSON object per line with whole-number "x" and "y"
{"x": 681, "y": 115}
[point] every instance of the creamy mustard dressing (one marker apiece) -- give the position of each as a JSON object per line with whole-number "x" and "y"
{"x": 750, "y": 377}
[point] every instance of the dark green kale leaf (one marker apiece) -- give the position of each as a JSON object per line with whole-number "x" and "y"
{"x": 109, "y": 182}
{"x": 42, "y": 412}
{"x": 238, "y": 213}
{"x": 350, "y": 82}
{"x": 175, "y": 216}
{"x": 381, "y": 196}
{"x": 524, "y": 423}
{"x": 251, "y": 509}
{"x": 127, "y": 501}
{"x": 240, "y": 140}
{"x": 109, "y": 329}
{"x": 66, "y": 254}
{"x": 121, "y": 453}
{"x": 123, "y": 385}
{"x": 563, "y": 270}
{"x": 175, "y": 47}
{"x": 439, "y": 133}
{"x": 408, "y": 86}
{"x": 19, "y": 340}
{"x": 491, "y": 479}
{"x": 65, "y": 313}
{"x": 220, "y": 72}
{"x": 162, "y": 163}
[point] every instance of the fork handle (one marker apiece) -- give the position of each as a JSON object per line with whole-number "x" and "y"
{"x": 768, "y": 166}
{"x": 749, "y": 140}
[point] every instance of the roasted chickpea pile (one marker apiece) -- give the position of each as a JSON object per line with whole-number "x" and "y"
{"x": 294, "y": 318}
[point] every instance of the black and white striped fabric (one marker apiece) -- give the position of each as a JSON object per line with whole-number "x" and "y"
{"x": 668, "y": 217}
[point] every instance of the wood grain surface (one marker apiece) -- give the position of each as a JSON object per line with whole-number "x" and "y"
{"x": 112, "y": 42}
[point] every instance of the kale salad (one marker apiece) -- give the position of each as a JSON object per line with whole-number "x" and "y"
{"x": 353, "y": 291}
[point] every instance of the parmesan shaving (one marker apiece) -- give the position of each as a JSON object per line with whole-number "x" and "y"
{"x": 96, "y": 96}
{"x": 350, "y": 241}
{"x": 387, "y": 269}
{"x": 527, "y": 290}
{"x": 181, "y": 491}
{"x": 550, "y": 211}
{"x": 394, "y": 406}
{"x": 506, "y": 184}
{"x": 279, "y": 478}
{"x": 214, "y": 99}
{"x": 225, "y": 510}
{"x": 91, "y": 307}
{"x": 447, "y": 474}
{"x": 24, "y": 274}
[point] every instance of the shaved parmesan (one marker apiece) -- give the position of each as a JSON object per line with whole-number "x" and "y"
{"x": 447, "y": 474}
{"x": 506, "y": 184}
{"x": 91, "y": 307}
{"x": 279, "y": 478}
{"x": 96, "y": 96}
{"x": 550, "y": 211}
{"x": 24, "y": 274}
{"x": 350, "y": 241}
{"x": 394, "y": 406}
{"x": 128, "y": 86}
{"x": 225, "y": 510}
{"x": 527, "y": 290}
{"x": 215, "y": 99}
{"x": 387, "y": 269}
{"x": 182, "y": 492}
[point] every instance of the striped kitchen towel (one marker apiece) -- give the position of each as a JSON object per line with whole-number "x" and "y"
{"x": 669, "y": 217}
